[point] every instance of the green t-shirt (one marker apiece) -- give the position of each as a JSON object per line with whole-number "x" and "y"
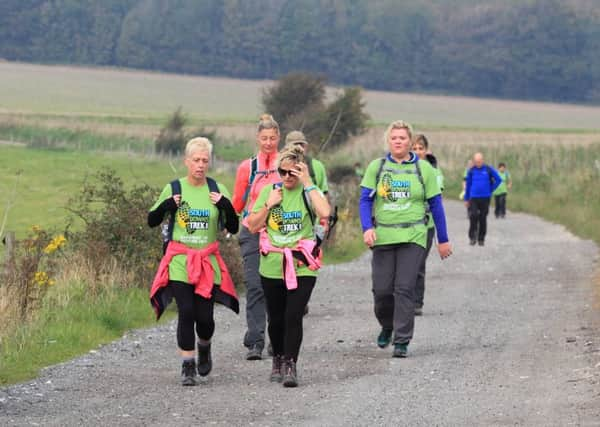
{"x": 399, "y": 199}
{"x": 287, "y": 224}
{"x": 502, "y": 188}
{"x": 320, "y": 175}
{"x": 196, "y": 224}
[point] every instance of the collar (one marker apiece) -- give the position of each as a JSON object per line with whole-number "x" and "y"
{"x": 413, "y": 158}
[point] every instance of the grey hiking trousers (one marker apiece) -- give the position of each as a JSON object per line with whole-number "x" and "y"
{"x": 255, "y": 297}
{"x": 394, "y": 273}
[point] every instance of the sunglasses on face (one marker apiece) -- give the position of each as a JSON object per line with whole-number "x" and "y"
{"x": 284, "y": 172}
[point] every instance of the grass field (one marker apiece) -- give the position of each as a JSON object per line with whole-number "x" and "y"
{"x": 38, "y": 183}
{"x": 147, "y": 96}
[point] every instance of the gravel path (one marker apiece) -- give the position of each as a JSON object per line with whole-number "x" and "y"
{"x": 510, "y": 336}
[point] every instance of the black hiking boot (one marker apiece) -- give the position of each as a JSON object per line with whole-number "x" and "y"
{"x": 384, "y": 338}
{"x": 472, "y": 242}
{"x": 290, "y": 379}
{"x": 481, "y": 243}
{"x": 419, "y": 310}
{"x": 277, "y": 369}
{"x": 204, "y": 359}
{"x": 188, "y": 373}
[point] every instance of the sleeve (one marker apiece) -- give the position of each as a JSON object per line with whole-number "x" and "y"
{"x": 262, "y": 198}
{"x": 161, "y": 207}
{"x": 240, "y": 186}
{"x": 430, "y": 179}
{"x": 368, "y": 180}
{"x": 468, "y": 180}
{"x": 439, "y": 217}
{"x": 365, "y": 208}
{"x": 320, "y": 176}
{"x": 232, "y": 222}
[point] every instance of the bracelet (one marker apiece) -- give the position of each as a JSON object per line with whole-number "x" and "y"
{"x": 310, "y": 188}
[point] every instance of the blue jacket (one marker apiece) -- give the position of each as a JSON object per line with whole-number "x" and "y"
{"x": 480, "y": 185}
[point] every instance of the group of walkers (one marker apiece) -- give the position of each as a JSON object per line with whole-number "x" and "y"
{"x": 280, "y": 198}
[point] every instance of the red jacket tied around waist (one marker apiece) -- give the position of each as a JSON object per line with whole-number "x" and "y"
{"x": 304, "y": 246}
{"x": 200, "y": 274}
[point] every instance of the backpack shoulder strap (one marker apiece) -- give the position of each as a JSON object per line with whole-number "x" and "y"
{"x": 175, "y": 190}
{"x": 251, "y": 176}
{"x": 213, "y": 187}
{"x": 377, "y": 176}
{"x": 308, "y": 206}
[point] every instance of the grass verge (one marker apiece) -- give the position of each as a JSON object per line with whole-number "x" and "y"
{"x": 71, "y": 322}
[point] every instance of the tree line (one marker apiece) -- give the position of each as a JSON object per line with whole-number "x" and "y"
{"x": 521, "y": 49}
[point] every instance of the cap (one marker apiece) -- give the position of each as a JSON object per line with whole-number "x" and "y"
{"x": 295, "y": 137}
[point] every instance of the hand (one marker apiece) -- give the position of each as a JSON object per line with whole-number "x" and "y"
{"x": 275, "y": 197}
{"x": 301, "y": 172}
{"x": 369, "y": 237}
{"x": 177, "y": 198}
{"x": 215, "y": 197}
{"x": 467, "y": 203}
{"x": 445, "y": 250}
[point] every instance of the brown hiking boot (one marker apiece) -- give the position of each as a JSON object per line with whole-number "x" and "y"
{"x": 277, "y": 369}
{"x": 290, "y": 378}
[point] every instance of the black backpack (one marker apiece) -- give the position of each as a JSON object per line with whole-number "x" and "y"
{"x": 176, "y": 190}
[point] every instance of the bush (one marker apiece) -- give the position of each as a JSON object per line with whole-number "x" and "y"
{"x": 27, "y": 272}
{"x": 172, "y": 138}
{"x": 297, "y": 101}
{"x": 115, "y": 233}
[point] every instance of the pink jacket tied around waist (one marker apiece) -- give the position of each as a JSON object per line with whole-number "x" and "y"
{"x": 305, "y": 246}
{"x": 199, "y": 268}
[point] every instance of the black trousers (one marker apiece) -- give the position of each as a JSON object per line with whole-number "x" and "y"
{"x": 285, "y": 310}
{"x": 194, "y": 312}
{"x": 500, "y": 210}
{"x": 478, "y": 211}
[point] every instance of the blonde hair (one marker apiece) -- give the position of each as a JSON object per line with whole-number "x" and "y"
{"x": 292, "y": 153}
{"x": 198, "y": 144}
{"x": 266, "y": 121}
{"x": 398, "y": 124}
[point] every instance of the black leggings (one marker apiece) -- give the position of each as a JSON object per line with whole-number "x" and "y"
{"x": 193, "y": 309}
{"x": 285, "y": 310}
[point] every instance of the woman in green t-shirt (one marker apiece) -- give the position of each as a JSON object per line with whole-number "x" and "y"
{"x": 395, "y": 193}
{"x": 421, "y": 148}
{"x": 192, "y": 269}
{"x": 284, "y": 214}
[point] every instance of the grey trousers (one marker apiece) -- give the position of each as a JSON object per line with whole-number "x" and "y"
{"x": 394, "y": 274}
{"x": 420, "y": 289}
{"x": 255, "y": 297}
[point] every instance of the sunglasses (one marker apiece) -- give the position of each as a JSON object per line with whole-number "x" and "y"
{"x": 284, "y": 172}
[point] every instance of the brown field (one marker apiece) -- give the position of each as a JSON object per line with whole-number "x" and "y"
{"x": 102, "y": 92}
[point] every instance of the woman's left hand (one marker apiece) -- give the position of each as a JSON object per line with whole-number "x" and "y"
{"x": 300, "y": 171}
{"x": 445, "y": 250}
{"x": 215, "y": 197}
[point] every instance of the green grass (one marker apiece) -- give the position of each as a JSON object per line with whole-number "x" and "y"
{"x": 65, "y": 138}
{"x": 72, "y": 322}
{"x": 558, "y": 183}
{"x": 46, "y": 179}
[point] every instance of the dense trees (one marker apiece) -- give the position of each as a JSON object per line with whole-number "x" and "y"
{"x": 531, "y": 49}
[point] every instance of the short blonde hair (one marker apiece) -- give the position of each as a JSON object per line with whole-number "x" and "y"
{"x": 398, "y": 124}
{"x": 292, "y": 153}
{"x": 198, "y": 144}
{"x": 266, "y": 121}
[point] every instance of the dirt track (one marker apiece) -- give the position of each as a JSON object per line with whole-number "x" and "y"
{"x": 510, "y": 336}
